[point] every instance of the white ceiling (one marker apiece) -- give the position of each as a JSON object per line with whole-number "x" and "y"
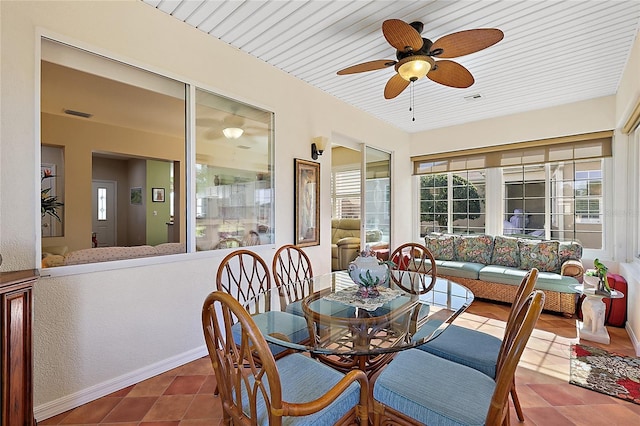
{"x": 553, "y": 52}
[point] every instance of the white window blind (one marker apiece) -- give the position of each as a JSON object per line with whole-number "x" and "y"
{"x": 345, "y": 187}
{"x": 576, "y": 147}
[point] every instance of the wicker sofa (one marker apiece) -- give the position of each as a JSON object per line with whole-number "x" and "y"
{"x": 492, "y": 267}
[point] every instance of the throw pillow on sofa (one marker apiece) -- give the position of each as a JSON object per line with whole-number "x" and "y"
{"x": 569, "y": 250}
{"x": 505, "y": 252}
{"x": 474, "y": 248}
{"x": 442, "y": 247}
{"x": 539, "y": 254}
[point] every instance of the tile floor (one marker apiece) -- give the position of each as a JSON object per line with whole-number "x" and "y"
{"x": 184, "y": 396}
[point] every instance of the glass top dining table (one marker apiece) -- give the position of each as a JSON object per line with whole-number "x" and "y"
{"x": 347, "y": 331}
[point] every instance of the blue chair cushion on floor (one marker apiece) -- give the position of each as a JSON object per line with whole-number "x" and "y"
{"x": 304, "y": 379}
{"x": 292, "y": 326}
{"x": 472, "y": 348}
{"x": 433, "y": 390}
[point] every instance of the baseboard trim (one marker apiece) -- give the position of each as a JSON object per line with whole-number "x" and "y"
{"x": 76, "y": 399}
{"x": 633, "y": 338}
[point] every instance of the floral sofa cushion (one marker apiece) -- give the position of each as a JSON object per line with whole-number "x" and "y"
{"x": 442, "y": 247}
{"x": 474, "y": 248}
{"x": 569, "y": 250}
{"x": 505, "y": 252}
{"x": 539, "y": 254}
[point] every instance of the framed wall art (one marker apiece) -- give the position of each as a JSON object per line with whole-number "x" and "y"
{"x": 157, "y": 195}
{"x": 136, "y": 195}
{"x": 306, "y": 202}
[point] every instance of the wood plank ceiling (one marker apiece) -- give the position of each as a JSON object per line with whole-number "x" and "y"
{"x": 553, "y": 52}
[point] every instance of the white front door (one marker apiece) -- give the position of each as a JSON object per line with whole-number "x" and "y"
{"x": 103, "y": 211}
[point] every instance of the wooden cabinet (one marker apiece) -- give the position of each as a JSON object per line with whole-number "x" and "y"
{"x": 16, "y": 300}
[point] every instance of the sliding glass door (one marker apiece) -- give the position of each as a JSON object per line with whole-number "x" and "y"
{"x": 377, "y": 198}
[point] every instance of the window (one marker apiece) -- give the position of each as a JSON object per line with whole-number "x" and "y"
{"x": 575, "y": 199}
{"x": 346, "y": 193}
{"x": 122, "y": 132}
{"x": 550, "y": 188}
{"x": 453, "y": 202}
{"x": 233, "y": 180}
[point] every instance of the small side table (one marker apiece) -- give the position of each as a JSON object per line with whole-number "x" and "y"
{"x": 593, "y": 308}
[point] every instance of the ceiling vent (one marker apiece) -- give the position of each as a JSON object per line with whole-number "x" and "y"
{"x": 473, "y": 98}
{"x": 77, "y": 113}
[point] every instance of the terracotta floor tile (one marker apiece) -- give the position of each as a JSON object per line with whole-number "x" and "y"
{"x": 130, "y": 409}
{"x": 185, "y": 385}
{"x": 93, "y": 412}
{"x": 154, "y": 386}
{"x": 169, "y": 407}
{"x": 562, "y": 394}
{"x": 204, "y": 407}
{"x": 549, "y": 416}
{"x": 209, "y": 385}
{"x": 605, "y": 415}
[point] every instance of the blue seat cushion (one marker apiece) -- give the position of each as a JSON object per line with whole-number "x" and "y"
{"x": 303, "y": 379}
{"x": 295, "y": 308}
{"x": 454, "y": 268}
{"x": 433, "y": 390}
{"x": 292, "y": 326}
{"x": 462, "y": 345}
{"x": 546, "y": 280}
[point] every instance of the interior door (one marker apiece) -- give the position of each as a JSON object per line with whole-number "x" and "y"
{"x": 103, "y": 212}
{"x": 377, "y": 198}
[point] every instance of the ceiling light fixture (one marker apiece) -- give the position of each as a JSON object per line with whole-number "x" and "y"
{"x": 415, "y": 67}
{"x": 232, "y": 132}
{"x": 412, "y": 68}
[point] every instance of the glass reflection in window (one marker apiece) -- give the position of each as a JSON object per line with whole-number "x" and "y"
{"x": 234, "y": 148}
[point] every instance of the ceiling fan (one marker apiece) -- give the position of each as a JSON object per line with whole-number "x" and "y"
{"x": 415, "y": 55}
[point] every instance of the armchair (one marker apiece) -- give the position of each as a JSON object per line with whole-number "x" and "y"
{"x": 345, "y": 242}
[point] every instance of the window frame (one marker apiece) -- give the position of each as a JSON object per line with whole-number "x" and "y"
{"x": 190, "y": 152}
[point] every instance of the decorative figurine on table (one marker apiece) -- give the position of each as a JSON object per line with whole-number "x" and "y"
{"x": 369, "y": 273}
{"x": 600, "y": 271}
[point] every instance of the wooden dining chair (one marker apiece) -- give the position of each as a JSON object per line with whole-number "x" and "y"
{"x": 415, "y": 257}
{"x": 295, "y": 389}
{"x": 292, "y": 272}
{"x": 244, "y": 275}
{"x": 480, "y": 350}
{"x": 419, "y": 388}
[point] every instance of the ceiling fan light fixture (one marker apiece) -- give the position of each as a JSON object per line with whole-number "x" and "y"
{"x": 413, "y": 68}
{"x": 232, "y": 132}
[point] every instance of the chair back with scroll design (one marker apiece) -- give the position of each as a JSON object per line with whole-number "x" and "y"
{"x": 254, "y": 393}
{"x": 244, "y": 275}
{"x": 415, "y": 257}
{"x": 292, "y": 271}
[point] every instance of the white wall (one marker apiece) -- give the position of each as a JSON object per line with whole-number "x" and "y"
{"x": 97, "y": 331}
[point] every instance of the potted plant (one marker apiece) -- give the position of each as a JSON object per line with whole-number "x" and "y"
{"x": 49, "y": 203}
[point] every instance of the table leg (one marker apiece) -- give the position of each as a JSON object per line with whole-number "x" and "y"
{"x": 592, "y": 325}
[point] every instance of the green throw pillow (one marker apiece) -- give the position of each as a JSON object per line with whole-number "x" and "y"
{"x": 542, "y": 255}
{"x": 474, "y": 248}
{"x": 505, "y": 252}
{"x": 441, "y": 246}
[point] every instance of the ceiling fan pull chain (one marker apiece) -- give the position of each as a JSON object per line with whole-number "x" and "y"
{"x": 412, "y": 102}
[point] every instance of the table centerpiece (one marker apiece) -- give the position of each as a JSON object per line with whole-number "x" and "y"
{"x": 368, "y": 273}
